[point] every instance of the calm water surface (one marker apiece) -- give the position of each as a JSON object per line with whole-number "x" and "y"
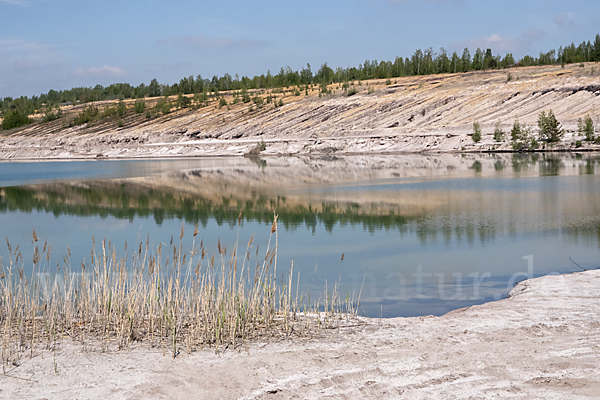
{"x": 419, "y": 234}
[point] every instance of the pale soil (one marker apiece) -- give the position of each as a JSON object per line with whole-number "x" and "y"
{"x": 414, "y": 114}
{"x": 541, "y": 342}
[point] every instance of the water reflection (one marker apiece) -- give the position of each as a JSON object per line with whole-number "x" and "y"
{"x": 420, "y": 234}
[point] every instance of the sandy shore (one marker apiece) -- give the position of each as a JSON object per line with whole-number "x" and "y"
{"x": 541, "y": 342}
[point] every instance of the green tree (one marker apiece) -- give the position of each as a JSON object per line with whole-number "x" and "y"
{"x": 550, "y": 129}
{"x": 498, "y": 133}
{"x": 489, "y": 61}
{"x": 15, "y": 118}
{"x": 466, "y": 60}
{"x": 455, "y": 63}
{"x": 478, "y": 59}
{"x": 508, "y": 61}
{"x": 586, "y": 128}
{"x": 325, "y": 74}
{"x": 476, "y": 132}
{"x": 306, "y": 75}
{"x": 516, "y": 133}
{"x": 154, "y": 88}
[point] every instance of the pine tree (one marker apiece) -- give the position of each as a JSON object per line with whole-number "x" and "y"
{"x": 516, "y": 133}
{"x": 550, "y": 129}
{"x": 586, "y": 128}
{"x": 476, "y": 132}
{"x": 498, "y": 133}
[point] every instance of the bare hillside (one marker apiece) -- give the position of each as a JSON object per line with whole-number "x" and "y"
{"x": 413, "y": 114}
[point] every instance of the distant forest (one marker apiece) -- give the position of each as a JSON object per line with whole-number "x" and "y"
{"x": 422, "y": 62}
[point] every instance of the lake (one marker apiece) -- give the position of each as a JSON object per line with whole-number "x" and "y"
{"x": 413, "y": 234}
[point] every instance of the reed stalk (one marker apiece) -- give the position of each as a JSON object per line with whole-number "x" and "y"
{"x": 185, "y": 301}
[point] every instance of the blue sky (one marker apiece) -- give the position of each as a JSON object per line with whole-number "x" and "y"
{"x": 59, "y": 44}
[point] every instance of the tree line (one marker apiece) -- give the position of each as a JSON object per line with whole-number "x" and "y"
{"x": 422, "y": 62}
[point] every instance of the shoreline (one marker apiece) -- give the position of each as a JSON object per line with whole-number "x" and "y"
{"x": 267, "y": 156}
{"x": 540, "y": 342}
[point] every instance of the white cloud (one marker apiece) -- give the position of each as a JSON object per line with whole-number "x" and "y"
{"x": 106, "y": 71}
{"x": 202, "y": 41}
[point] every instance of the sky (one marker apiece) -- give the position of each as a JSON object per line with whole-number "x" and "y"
{"x": 60, "y": 44}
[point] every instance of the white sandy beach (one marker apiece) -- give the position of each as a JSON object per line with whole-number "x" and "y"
{"x": 541, "y": 342}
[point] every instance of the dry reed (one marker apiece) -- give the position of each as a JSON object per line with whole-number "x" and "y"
{"x": 166, "y": 297}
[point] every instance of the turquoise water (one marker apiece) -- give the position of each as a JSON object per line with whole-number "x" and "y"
{"x": 419, "y": 235}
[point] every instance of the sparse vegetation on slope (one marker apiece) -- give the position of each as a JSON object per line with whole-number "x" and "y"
{"x": 414, "y": 114}
{"x": 422, "y": 62}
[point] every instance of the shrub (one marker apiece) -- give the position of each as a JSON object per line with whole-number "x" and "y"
{"x": 109, "y": 111}
{"x": 140, "y": 106}
{"x": 534, "y": 144}
{"x": 476, "y": 132}
{"x": 121, "y": 108}
{"x": 15, "y": 118}
{"x": 352, "y": 91}
{"x": 388, "y": 82}
{"x": 164, "y": 106}
{"x": 519, "y": 146}
{"x": 185, "y": 102}
{"x": 259, "y": 101}
{"x": 222, "y": 102}
{"x": 51, "y": 116}
{"x": 88, "y": 115}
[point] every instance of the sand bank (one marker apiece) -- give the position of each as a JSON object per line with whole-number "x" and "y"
{"x": 541, "y": 342}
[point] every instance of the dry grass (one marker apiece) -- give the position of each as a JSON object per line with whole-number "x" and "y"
{"x": 166, "y": 297}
